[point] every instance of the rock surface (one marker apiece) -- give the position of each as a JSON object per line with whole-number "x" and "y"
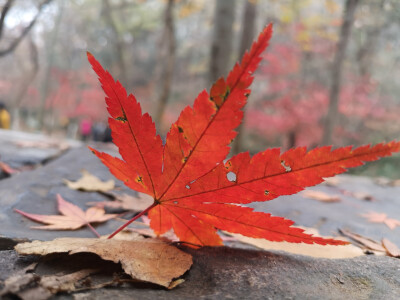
{"x": 229, "y": 273}
{"x": 217, "y": 273}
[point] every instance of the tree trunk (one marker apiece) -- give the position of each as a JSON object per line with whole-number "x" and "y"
{"x": 167, "y": 61}
{"x": 336, "y": 75}
{"x": 367, "y": 49}
{"x": 50, "y": 44}
{"x": 23, "y": 86}
{"x": 249, "y": 17}
{"x": 119, "y": 44}
{"x": 221, "y": 46}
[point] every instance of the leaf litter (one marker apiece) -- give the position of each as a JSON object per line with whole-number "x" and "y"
{"x": 148, "y": 260}
{"x": 72, "y": 217}
{"x": 124, "y": 202}
{"x": 375, "y": 217}
{"x": 90, "y": 183}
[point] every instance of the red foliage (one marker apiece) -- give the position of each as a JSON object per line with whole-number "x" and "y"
{"x": 195, "y": 192}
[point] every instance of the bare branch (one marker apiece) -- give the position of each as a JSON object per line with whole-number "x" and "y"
{"x": 16, "y": 41}
{"x": 4, "y": 12}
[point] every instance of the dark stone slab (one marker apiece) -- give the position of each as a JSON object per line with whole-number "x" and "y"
{"x": 35, "y": 192}
{"x": 228, "y": 273}
{"x": 328, "y": 217}
{"x": 217, "y": 272}
{"x": 17, "y": 156}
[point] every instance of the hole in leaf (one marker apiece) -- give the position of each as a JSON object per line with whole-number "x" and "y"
{"x": 187, "y": 186}
{"x": 180, "y": 129}
{"x": 287, "y": 168}
{"x": 176, "y": 202}
{"x": 266, "y": 192}
{"x": 231, "y": 176}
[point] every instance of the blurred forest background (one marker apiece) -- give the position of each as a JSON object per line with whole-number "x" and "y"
{"x": 331, "y": 74}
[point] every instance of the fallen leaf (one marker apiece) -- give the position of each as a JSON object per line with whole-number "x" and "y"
{"x": 365, "y": 242}
{"x": 395, "y": 182}
{"x": 72, "y": 217}
{"x": 321, "y": 196}
{"x": 32, "y": 286}
{"x": 391, "y": 249}
{"x": 65, "y": 283}
{"x": 387, "y": 181}
{"x": 90, "y": 183}
{"x": 42, "y": 144}
{"x": 362, "y": 196}
{"x": 7, "y": 169}
{"x": 374, "y": 217}
{"x": 332, "y": 181}
{"x": 15, "y": 283}
{"x": 125, "y": 202}
{"x": 149, "y": 260}
{"x": 328, "y": 251}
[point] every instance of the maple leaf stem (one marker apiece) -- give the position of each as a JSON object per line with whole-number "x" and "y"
{"x": 132, "y": 220}
{"x": 93, "y": 230}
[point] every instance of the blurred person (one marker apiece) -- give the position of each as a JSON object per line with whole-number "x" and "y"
{"x": 85, "y": 128}
{"x": 98, "y": 130}
{"x": 4, "y": 117}
{"x": 107, "y": 135}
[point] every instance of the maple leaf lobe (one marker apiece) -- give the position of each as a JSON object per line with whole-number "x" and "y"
{"x": 195, "y": 192}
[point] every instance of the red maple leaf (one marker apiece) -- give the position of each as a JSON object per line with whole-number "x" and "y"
{"x": 195, "y": 192}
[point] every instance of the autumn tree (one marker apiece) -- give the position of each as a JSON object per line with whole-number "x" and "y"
{"x": 221, "y": 45}
{"x": 336, "y": 73}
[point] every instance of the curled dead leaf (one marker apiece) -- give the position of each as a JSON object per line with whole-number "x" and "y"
{"x": 391, "y": 249}
{"x": 149, "y": 260}
{"x": 27, "y": 285}
{"x": 363, "y": 241}
{"x": 90, "y": 183}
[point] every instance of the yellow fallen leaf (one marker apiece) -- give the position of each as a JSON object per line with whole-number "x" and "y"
{"x": 90, "y": 183}
{"x": 149, "y": 260}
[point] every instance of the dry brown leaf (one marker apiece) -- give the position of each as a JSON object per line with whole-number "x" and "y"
{"x": 328, "y": 251}
{"x": 149, "y": 260}
{"x": 31, "y": 286}
{"x": 391, "y": 249}
{"x": 374, "y": 217}
{"x": 320, "y": 196}
{"x": 125, "y": 201}
{"x": 15, "y": 283}
{"x": 90, "y": 183}
{"x": 363, "y": 241}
